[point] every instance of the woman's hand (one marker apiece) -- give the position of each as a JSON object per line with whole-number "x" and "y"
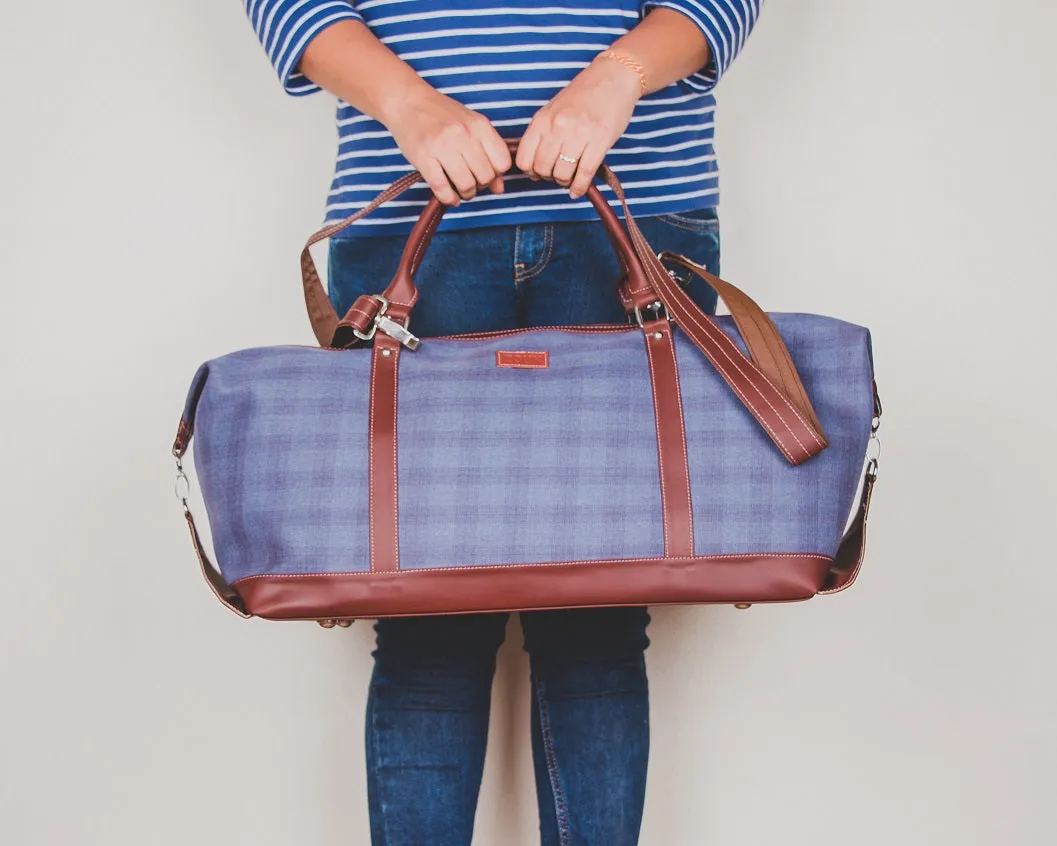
{"x": 449, "y": 144}
{"x": 582, "y": 122}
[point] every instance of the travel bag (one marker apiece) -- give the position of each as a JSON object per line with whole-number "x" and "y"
{"x": 679, "y": 458}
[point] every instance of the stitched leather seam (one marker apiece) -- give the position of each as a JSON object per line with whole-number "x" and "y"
{"x": 428, "y": 232}
{"x": 682, "y": 434}
{"x": 427, "y": 235}
{"x": 611, "y": 180}
{"x": 660, "y": 446}
{"x": 772, "y": 340}
{"x": 725, "y": 341}
{"x": 664, "y": 285}
{"x": 695, "y": 559}
{"x": 776, "y": 346}
{"x": 740, "y": 393}
{"x": 761, "y": 394}
{"x": 370, "y": 459}
{"x": 716, "y": 343}
{"x": 396, "y": 478}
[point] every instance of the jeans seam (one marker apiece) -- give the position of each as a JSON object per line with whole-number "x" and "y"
{"x": 561, "y": 810}
{"x": 378, "y": 781}
{"x": 517, "y": 249}
{"x": 548, "y": 251}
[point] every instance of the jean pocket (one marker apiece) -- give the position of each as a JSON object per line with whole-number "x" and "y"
{"x": 704, "y": 220}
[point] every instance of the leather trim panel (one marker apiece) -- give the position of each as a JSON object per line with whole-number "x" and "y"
{"x": 671, "y": 440}
{"x": 651, "y": 581}
{"x": 382, "y": 455}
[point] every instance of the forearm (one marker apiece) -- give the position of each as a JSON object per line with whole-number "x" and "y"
{"x": 454, "y": 148}
{"x": 668, "y": 46}
{"x": 347, "y": 60}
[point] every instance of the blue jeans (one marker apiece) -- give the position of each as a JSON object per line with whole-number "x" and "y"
{"x": 427, "y": 710}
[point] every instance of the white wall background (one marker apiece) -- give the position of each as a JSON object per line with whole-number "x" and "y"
{"x": 889, "y": 163}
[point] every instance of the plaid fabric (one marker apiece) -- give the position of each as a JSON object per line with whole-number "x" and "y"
{"x": 746, "y": 497}
{"x": 500, "y": 465}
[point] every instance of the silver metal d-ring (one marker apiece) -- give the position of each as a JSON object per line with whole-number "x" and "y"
{"x": 872, "y": 460}
{"x": 657, "y": 308}
{"x": 181, "y": 486}
{"x": 877, "y": 452}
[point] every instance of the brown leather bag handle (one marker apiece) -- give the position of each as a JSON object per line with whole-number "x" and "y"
{"x": 766, "y": 383}
{"x": 761, "y": 336}
{"x": 401, "y": 292}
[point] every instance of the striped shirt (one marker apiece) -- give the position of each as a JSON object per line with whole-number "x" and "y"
{"x": 506, "y": 62}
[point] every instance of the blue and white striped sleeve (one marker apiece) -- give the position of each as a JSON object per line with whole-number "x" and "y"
{"x": 725, "y": 24}
{"x": 284, "y": 28}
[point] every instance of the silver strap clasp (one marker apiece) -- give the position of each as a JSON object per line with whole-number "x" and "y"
{"x": 397, "y": 331}
{"x": 389, "y": 326}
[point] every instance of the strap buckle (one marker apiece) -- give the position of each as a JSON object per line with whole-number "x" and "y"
{"x": 658, "y": 309}
{"x": 390, "y": 327}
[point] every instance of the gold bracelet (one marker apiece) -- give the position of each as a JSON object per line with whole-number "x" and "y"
{"x": 630, "y": 62}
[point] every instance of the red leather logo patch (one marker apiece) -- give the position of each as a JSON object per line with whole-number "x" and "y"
{"x": 524, "y": 359}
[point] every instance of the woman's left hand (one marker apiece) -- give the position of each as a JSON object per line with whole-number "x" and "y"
{"x": 581, "y": 123}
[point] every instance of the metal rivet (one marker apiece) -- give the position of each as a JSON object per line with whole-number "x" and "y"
{"x": 658, "y": 335}
{"x": 344, "y": 623}
{"x": 741, "y": 606}
{"x": 387, "y": 353}
{"x": 327, "y": 624}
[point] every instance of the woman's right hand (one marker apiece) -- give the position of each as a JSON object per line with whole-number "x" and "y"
{"x": 449, "y": 144}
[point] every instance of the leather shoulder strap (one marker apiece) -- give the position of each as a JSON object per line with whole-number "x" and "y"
{"x": 762, "y": 339}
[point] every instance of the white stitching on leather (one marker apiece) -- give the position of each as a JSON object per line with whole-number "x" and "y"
{"x": 726, "y": 341}
{"x": 361, "y": 311}
{"x": 370, "y": 458}
{"x": 662, "y": 286}
{"x": 396, "y": 478}
{"x": 660, "y": 448}
{"x": 720, "y": 345}
{"x": 756, "y": 411}
{"x": 682, "y": 431}
{"x": 691, "y": 559}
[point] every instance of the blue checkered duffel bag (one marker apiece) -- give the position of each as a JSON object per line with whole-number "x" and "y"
{"x": 679, "y": 458}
